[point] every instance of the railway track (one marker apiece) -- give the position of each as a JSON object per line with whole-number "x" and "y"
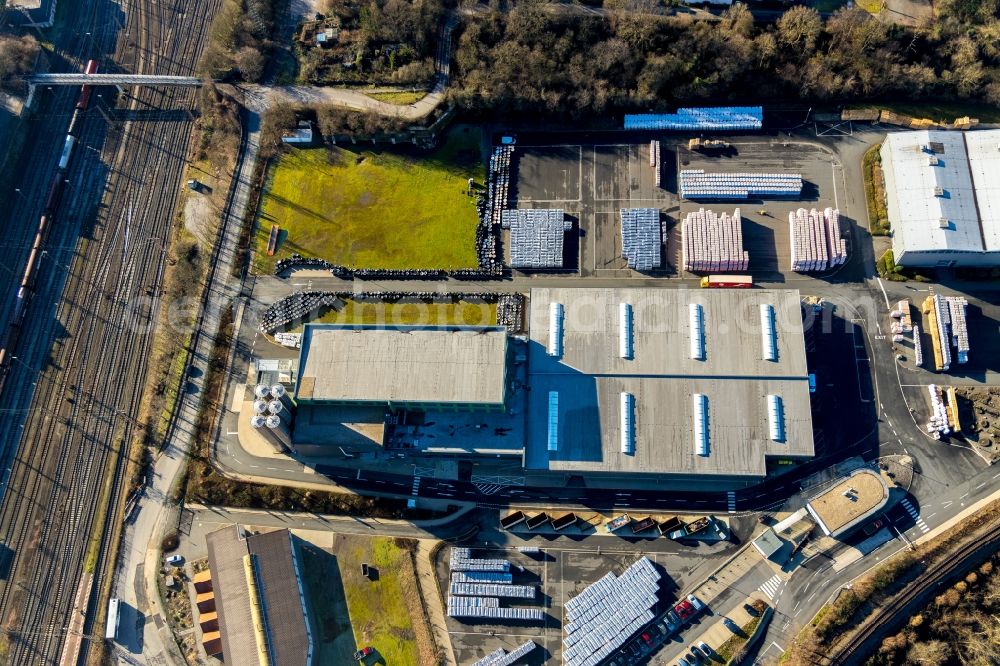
{"x": 924, "y": 585}
{"x": 86, "y": 337}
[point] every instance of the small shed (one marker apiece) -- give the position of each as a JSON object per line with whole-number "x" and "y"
{"x": 301, "y": 135}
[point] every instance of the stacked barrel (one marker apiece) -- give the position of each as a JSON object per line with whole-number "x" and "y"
{"x": 815, "y": 240}
{"x": 713, "y": 242}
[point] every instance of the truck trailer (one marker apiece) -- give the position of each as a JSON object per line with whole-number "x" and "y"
{"x": 726, "y": 282}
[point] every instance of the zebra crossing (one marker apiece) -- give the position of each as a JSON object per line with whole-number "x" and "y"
{"x": 916, "y": 516}
{"x": 771, "y": 586}
{"x": 416, "y": 484}
{"x": 488, "y": 488}
{"x": 731, "y": 501}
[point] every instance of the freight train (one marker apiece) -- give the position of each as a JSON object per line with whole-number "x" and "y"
{"x": 10, "y": 335}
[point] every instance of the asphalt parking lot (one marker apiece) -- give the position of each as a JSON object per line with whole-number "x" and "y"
{"x": 765, "y": 235}
{"x": 592, "y": 182}
{"x": 561, "y": 574}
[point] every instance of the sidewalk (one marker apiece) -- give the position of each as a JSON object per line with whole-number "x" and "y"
{"x": 432, "y": 600}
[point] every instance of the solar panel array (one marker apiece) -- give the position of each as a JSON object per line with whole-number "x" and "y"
{"x": 641, "y": 237}
{"x": 607, "y": 613}
{"x": 493, "y": 590}
{"x": 700, "y": 117}
{"x": 481, "y": 577}
{"x": 713, "y": 242}
{"x": 536, "y": 237}
{"x": 696, "y": 184}
{"x": 815, "y": 240}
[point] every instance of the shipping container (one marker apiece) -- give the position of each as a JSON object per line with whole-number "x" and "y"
{"x": 512, "y": 519}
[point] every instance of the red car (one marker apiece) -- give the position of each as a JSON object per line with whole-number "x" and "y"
{"x": 685, "y": 610}
{"x": 647, "y": 639}
{"x": 363, "y": 652}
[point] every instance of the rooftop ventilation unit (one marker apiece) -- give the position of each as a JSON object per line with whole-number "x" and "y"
{"x": 628, "y": 423}
{"x": 933, "y": 161}
{"x": 943, "y": 222}
{"x": 555, "y": 329}
{"x": 700, "y": 424}
{"x": 697, "y": 328}
{"x": 769, "y": 337}
{"x": 553, "y": 434}
{"x": 939, "y": 191}
{"x": 776, "y": 418}
{"x": 625, "y": 330}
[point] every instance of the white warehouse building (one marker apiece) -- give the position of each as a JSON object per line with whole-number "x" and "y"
{"x": 943, "y": 197}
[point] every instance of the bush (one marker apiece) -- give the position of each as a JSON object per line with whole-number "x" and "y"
{"x": 17, "y": 57}
{"x": 170, "y": 542}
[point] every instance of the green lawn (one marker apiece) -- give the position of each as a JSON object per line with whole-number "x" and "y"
{"x": 375, "y": 209}
{"x": 381, "y": 610}
{"x": 409, "y": 313}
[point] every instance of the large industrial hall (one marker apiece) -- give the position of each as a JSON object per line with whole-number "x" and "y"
{"x": 672, "y": 382}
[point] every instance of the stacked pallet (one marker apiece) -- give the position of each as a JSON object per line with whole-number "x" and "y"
{"x": 696, "y": 184}
{"x": 918, "y": 348}
{"x": 654, "y": 161}
{"x": 815, "y": 240}
{"x": 959, "y": 327}
{"x": 607, "y": 613}
{"x": 713, "y": 242}
{"x": 641, "y": 239}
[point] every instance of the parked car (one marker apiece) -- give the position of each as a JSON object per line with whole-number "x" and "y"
{"x": 363, "y": 652}
{"x": 872, "y": 528}
{"x": 732, "y": 626}
{"x": 696, "y": 602}
{"x": 685, "y": 611}
{"x": 663, "y": 627}
{"x": 636, "y": 650}
{"x": 683, "y": 662}
{"x": 703, "y": 646}
{"x": 175, "y": 560}
{"x": 674, "y": 619}
{"x": 647, "y": 639}
{"x": 696, "y": 651}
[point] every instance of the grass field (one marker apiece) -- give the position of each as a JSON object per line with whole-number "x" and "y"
{"x": 400, "y": 98}
{"x": 385, "y": 613}
{"x": 408, "y": 313}
{"x": 375, "y": 209}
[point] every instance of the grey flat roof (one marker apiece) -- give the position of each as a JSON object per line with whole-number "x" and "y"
{"x": 590, "y": 377}
{"x": 416, "y": 364}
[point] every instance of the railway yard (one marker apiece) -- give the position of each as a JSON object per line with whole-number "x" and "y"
{"x": 79, "y": 370}
{"x": 686, "y": 481}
